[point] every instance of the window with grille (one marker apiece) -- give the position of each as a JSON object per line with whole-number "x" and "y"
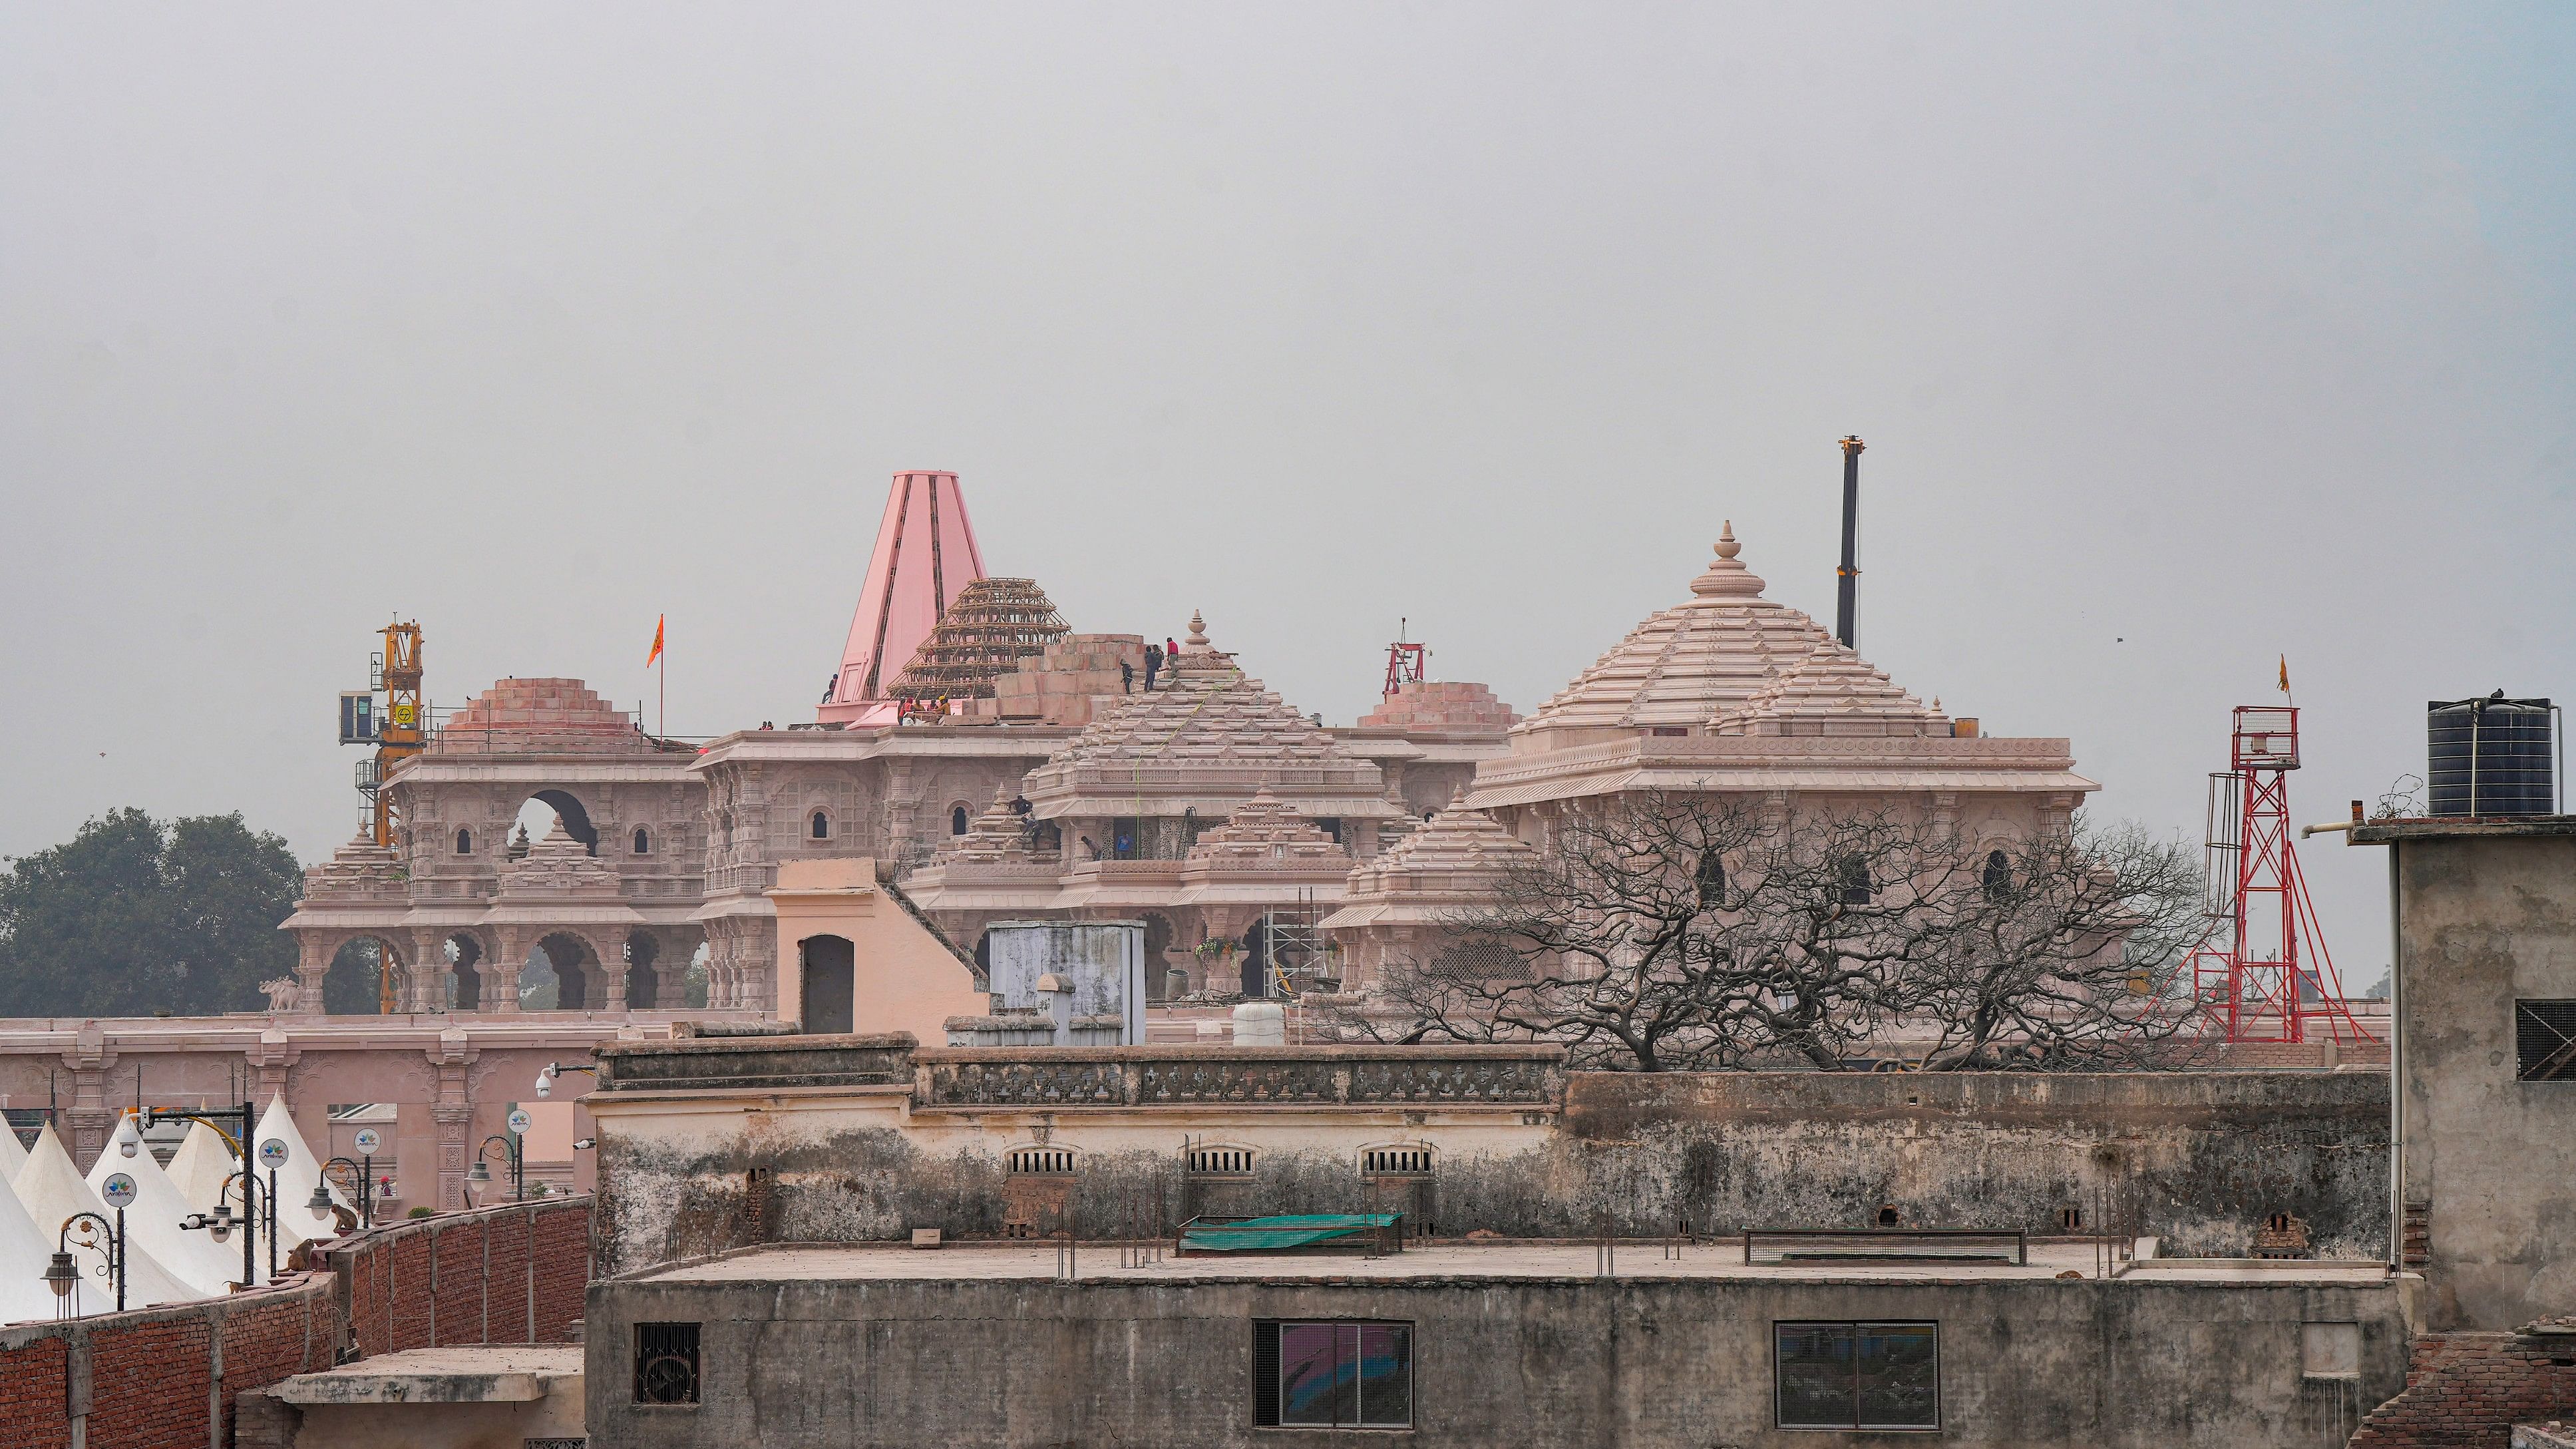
{"x": 1220, "y": 1162}
{"x": 2544, "y": 1041}
{"x": 1414, "y": 1161}
{"x": 666, "y": 1363}
{"x": 1037, "y": 1161}
{"x": 1332, "y": 1375}
{"x": 1857, "y": 1375}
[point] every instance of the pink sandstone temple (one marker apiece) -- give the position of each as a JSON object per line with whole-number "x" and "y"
{"x": 986, "y": 762}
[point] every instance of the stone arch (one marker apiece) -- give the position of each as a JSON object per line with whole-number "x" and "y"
{"x": 960, "y": 819}
{"x": 351, "y": 985}
{"x": 1159, "y": 937}
{"x": 464, "y": 841}
{"x": 818, "y": 824}
{"x": 641, "y": 841}
{"x": 585, "y": 978}
{"x": 568, "y": 809}
{"x": 466, "y": 960}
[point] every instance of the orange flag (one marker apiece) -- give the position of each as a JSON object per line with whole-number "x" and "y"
{"x": 657, "y": 641}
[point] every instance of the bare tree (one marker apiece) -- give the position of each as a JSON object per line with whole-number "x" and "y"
{"x": 1691, "y": 932}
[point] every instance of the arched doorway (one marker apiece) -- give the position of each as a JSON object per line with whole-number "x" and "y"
{"x": 827, "y": 967}
{"x": 572, "y": 979}
{"x": 353, "y": 985}
{"x": 464, "y": 972}
{"x": 1256, "y": 961}
{"x": 1158, "y": 939}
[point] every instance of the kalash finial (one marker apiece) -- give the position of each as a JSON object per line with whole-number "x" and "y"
{"x": 1726, "y": 578}
{"x": 1198, "y": 632}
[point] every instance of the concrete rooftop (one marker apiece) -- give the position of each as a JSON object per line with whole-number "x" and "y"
{"x": 1642, "y": 1258}
{"x": 499, "y": 1374}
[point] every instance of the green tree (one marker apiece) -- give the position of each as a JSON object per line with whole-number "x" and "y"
{"x": 134, "y": 915}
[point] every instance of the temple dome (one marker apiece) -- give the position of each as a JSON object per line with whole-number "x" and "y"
{"x": 1207, "y": 708}
{"x": 1700, "y": 662}
{"x": 1461, "y": 854}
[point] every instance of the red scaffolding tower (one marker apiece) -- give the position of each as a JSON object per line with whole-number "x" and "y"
{"x": 2269, "y": 978}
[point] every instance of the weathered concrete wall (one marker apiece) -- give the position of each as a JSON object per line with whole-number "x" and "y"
{"x": 2487, "y": 915}
{"x": 1638, "y": 1364}
{"x": 2195, "y": 1159}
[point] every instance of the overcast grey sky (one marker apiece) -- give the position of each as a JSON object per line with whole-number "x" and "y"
{"x": 2182, "y": 337}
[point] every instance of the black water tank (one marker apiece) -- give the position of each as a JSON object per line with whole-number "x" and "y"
{"x": 2489, "y": 756}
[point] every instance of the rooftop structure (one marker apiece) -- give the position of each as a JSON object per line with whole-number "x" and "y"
{"x": 925, "y": 555}
{"x": 1405, "y": 904}
{"x": 991, "y": 626}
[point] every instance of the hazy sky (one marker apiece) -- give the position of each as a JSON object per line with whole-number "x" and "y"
{"x": 2182, "y": 338}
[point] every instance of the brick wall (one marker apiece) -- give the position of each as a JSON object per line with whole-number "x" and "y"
{"x": 2472, "y": 1388}
{"x": 167, "y": 1378}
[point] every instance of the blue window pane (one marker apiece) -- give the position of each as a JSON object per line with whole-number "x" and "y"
{"x": 1386, "y": 1375}
{"x": 1895, "y": 1372}
{"x": 1815, "y": 1375}
{"x": 1309, "y": 1381}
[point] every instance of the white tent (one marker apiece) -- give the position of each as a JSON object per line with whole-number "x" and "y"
{"x": 51, "y": 1190}
{"x": 13, "y": 1153}
{"x": 295, "y": 1180}
{"x": 24, "y": 1252}
{"x": 201, "y": 1167}
{"x": 194, "y": 1257}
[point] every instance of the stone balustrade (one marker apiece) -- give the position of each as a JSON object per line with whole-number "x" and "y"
{"x": 1238, "y": 1076}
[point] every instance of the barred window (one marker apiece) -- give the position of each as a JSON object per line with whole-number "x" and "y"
{"x": 666, "y": 1363}
{"x": 1040, "y": 1161}
{"x": 1857, "y": 1375}
{"x": 2544, "y": 1041}
{"x": 1220, "y": 1162}
{"x": 1413, "y": 1160}
{"x": 1332, "y": 1375}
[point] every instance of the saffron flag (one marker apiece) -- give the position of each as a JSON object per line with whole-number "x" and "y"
{"x": 2285, "y": 666}
{"x": 657, "y": 646}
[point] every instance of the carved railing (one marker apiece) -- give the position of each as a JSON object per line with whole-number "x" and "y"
{"x": 1052, "y": 1077}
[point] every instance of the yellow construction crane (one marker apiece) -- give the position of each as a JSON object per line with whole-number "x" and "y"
{"x": 398, "y": 727}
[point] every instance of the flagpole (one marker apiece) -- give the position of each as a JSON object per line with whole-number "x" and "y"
{"x": 665, "y": 662}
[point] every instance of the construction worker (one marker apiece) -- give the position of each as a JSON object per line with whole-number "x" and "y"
{"x": 1153, "y": 663}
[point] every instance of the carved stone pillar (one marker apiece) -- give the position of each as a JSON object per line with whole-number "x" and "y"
{"x": 453, "y": 1113}
{"x": 1944, "y": 818}
{"x": 501, "y": 974}
{"x": 428, "y": 977}
{"x": 614, "y": 969}
{"x": 313, "y": 953}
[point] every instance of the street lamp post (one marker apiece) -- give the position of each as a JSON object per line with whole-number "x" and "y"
{"x": 364, "y": 1195}
{"x": 259, "y": 1213}
{"x": 514, "y": 1154}
{"x": 129, "y": 1141}
{"x": 98, "y": 1235}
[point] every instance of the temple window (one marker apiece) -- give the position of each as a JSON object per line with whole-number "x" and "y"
{"x": 956, "y": 819}
{"x": 1712, "y": 881}
{"x": 643, "y": 842}
{"x": 1998, "y": 875}
{"x": 464, "y": 842}
{"x": 1855, "y": 889}
{"x": 820, "y": 827}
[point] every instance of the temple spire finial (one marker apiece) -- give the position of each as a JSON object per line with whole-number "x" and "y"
{"x": 1727, "y": 547}
{"x": 1198, "y": 632}
{"x": 1727, "y": 577}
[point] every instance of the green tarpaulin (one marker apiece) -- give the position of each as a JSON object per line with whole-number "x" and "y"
{"x": 1295, "y": 1230}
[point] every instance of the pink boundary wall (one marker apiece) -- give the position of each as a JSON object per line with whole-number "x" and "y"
{"x": 925, "y": 553}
